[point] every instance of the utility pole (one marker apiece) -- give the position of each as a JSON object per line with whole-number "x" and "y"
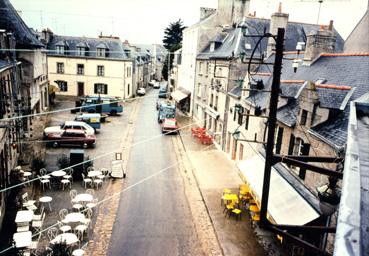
{"x": 269, "y": 159}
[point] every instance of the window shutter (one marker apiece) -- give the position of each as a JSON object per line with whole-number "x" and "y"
{"x": 292, "y": 144}
{"x": 279, "y": 140}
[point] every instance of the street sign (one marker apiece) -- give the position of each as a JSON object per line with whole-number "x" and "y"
{"x": 117, "y": 169}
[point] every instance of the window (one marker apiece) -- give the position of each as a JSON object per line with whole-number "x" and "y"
{"x": 100, "y": 52}
{"x": 60, "y": 68}
{"x": 200, "y": 68}
{"x": 278, "y": 144}
{"x": 100, "y": 70}
{"x": 303, "y": 117}
{"x": 216, "y": 102}
{"x": 247, "y": 119}
{"x": 80, "y": 69}
{"x": 128, "y": 71}
{"x": 101, "y": 89}
{"x": 199, "y": 90}
{"x": 211, "y": 100}
{"x": 63, "y": 86}
{"x": 60, "y": 49}
{"x": 81, "y": 51}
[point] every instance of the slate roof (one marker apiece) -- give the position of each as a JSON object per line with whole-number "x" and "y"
{"x": 114, "y": 46}
{"x": 236, "y": 91}
{"x": 4, "y": 64}
{"x": 338, "y": 69}
{"x": 11, "y": 21}
{"x": 290, "y": 90}
{"x": 287, "y": 114}
{"x": 235, "y": 41}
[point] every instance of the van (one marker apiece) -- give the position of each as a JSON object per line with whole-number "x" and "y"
{"x": 94, "y": 120}
{"x": 97, "y": 104}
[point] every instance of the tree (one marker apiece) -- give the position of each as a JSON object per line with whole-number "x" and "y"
{"x": 172, "y": 42}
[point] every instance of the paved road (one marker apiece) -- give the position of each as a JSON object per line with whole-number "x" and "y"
{"x": 153, "y": 216}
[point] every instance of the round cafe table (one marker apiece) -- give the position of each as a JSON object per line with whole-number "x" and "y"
{"x": 68, "y": 238}
{"x": 93, "y": 174}
{"x": 74, "y": 217}
{"x": 58, "y": 173}
{"x": 46, "y": 200}
{"x": 82, "y": 198}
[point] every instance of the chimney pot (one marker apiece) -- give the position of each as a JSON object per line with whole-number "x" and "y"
{"x": 254, "y": 13}
{"x": 280, "y": 7}
{"x": 330, "y": 25}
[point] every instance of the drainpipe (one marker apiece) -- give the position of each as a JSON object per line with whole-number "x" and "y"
{"x": 226, "y": 107}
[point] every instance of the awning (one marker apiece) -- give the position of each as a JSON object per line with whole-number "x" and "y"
{"x": 178, "y": 95}
{"x": 285, "y": 206}
{"x": 212, "y": 113}
{"x": 53, "y": 88}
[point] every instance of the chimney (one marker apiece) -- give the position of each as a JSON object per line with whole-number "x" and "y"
{"x": 232, "y": 11}
{"x": 206, "y": 12}
{"x": 318, "y": 42}
{"x": 277, "y": 20}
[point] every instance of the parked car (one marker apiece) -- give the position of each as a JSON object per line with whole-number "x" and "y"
{"x": 76, "y": 125}
{"x": 152, "y": 82}
{"x": 72, "y": 137}
{"x": 163, "y": 92}
{"x": 94, "y": 120}
{"x": 169, "y": 125}
{"x": 166, "y": 110}
{"x": 141, "y": 91}
{"x": 156, "y": 85}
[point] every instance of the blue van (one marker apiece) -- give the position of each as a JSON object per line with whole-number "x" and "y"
{"x": 96, "y": 104}
{"x": 94, "y": 120}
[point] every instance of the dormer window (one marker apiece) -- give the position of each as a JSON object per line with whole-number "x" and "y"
{"x": 100, "y": 52}
{"x": 81, "y": 51}
{"x": 60, "y": 49}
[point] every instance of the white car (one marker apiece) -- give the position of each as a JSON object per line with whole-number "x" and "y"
{"x": 156, "y": 85}
{"x": 152, "y": 82}
{"x": 141, "y": 91}
{"x": 69, "y": 125}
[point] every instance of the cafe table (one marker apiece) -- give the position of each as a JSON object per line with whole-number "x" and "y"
{"x": 231, "y": 197}
{"x": 22, "y": 239}
{"x": 68, "y": 238}
{"x": 82, "y": 198}
{"x": 74, "y": 217}
{"x": 23, "y": 217}
{"x": 58, "y": 174}
{"x": 93, "y": 174}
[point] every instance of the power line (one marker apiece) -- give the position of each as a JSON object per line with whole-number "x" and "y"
{"x": 99, "y": 156}
{"x": 117, "y": 193}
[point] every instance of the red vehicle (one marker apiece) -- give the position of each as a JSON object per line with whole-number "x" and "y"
{"x": 71, "y": 137}
{"x": 169, "y": 125}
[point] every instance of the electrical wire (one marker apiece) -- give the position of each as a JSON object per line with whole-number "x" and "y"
{"x": 73, "y": 108}
{"x": 101, "y": 155}
{"x": 116, "y": 194}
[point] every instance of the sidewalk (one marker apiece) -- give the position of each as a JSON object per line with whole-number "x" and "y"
{"x": 214, "y": 172}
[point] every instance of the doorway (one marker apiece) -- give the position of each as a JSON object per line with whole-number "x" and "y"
{"x": 81, "y": 88}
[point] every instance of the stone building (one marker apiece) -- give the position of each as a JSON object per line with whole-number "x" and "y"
{"x": 89, "y": 66}
{"x": 358, "y": 41}
{"x": 197, "y": 36}
{"x": 30, "y": 52}
{"x": 158, "y": 54}
{"x": 11, "y": 130}
{"x": 222, "y": 65}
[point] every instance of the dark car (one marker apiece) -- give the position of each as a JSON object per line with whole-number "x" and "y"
{"x": 71, "y": 137}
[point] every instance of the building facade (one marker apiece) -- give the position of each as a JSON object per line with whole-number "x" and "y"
{"x": 82, "y": 66}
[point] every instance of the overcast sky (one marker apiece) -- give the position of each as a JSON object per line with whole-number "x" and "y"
{"x": 143, "y": 21}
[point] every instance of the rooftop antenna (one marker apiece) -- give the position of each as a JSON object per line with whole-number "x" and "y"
{"x": 320, "y": 5}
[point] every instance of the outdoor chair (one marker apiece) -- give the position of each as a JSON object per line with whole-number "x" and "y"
{"x": 64, "y": 228}
{"x": 52, "y": 233}
{"x": 64, "y": 183}
{"x": 92, "y": 204}
{"x": 105, "y": 171}
{"x": 72, "y": 194}
{"x": 81, "y": 228}
{"x": 37, "y": 224}
{"x": 69, "y": 175}
{"x": 44, "y": 174}
{"x": 90, "y": 191}
{"x": 62, "y": 214}
{"x": 44, "y": 182}
{"x": 90, "y": 168}
{"x": 98, "y": 182}
{"x": 77, "y": 207}
{"x": 237, "y": 212}
{"x": 80, "y": 251}
{"x": 86, "y": 181}
{"x": 88, "y": 217}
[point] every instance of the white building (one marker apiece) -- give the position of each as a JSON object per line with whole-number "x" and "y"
{"x": 85, "y": 66}
{"x": 196, "y": 37}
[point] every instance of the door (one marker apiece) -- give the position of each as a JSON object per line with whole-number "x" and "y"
{"x": 81, "y": 89}
{"x": 234, "y": 149}
{"x": 240, "y": 154}
{"x": 229, "y": 141}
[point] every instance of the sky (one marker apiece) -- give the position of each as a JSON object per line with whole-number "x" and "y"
{"x": 143, "y": 21}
